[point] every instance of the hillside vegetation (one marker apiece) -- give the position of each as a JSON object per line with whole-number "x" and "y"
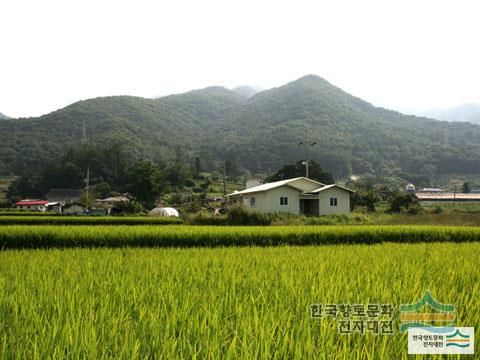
{"x": 262, "y": 132}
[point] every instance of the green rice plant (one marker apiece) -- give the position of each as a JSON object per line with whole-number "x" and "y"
{"x": 87, "y": 220}
{"x": 221, "y": 303}
{"x": 13, "y": 212}
{"x": 23, "y": 236}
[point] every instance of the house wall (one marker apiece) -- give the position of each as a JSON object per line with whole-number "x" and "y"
{"x": 269, "y": 201}
{"x": 41, "y": 208}
{"x": 73, "y": 210}
{"x": 273, "y": 200}
{"x": 260, "y": 201}
{"x": 343, "y": 201}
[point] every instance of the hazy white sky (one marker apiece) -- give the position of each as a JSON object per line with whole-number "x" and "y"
{"x": 397, "y": 54}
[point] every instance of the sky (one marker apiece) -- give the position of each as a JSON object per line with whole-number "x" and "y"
{"x": 405, "y": 55}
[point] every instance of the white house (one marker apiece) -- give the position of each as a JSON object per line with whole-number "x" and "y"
{"x": 32, "y": 205}
{"x": 297, "y": 196}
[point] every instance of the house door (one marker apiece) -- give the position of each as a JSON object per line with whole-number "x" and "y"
{"x": 309, "y": 207}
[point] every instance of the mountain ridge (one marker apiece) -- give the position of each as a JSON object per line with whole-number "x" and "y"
{"x": 468, "y": 112}
{"x": 261, "y": 132}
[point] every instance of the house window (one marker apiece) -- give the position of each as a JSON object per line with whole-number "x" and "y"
{"x": 252, "y": 201}
{"x": 333, "y": 201}
{"x": 283, "y": 200}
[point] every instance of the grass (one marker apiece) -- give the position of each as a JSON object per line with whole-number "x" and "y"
{"x": 24, "y": 236}
{"x": 220, "y": 303}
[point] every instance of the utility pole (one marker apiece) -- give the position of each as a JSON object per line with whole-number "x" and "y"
{"x": 454, "y": 195}
{"x": 224, "y": 184}
{"x": 306, "y": 144}
{"x": 87, "y": 180}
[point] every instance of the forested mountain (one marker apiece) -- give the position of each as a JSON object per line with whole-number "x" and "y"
{"x": 467, "y": 112}
{"x": 261, "y": 132}
{"x": 2, "y": 116}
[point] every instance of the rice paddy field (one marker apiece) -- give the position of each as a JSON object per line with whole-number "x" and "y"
{"x": 221, "y": 303}
{"x": 221, "y": 292}
{"x": 47, "y": 219}
{"x": 55, "y": 236}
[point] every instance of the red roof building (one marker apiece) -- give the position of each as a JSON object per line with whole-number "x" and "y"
{"x": 31, "y": 202}
{"x": 35, "y": 205}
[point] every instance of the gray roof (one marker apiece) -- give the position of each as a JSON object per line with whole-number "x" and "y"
{"x": 326, "y": 187}
{"x": 272, "y": 185}
{"x": 288, "y": 182}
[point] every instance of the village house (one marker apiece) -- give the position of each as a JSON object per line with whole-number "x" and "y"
{"x": 74, "y": 209}
{"x": 297, "y": 196}
{"x": 54, "y": 206}
{"x": 253, "y": 181}
{"x": 32, "y": 205}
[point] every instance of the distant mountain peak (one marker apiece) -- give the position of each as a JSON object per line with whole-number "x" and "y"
{"x": 2, "y": 116}
{"x": 468, "y": 112}
{"x": 247, "y": 90}
{"x": 311, "y": 78}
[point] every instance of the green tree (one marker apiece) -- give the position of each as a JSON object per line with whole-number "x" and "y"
{"x": 146, "y": 182}
{"x": 316, "y": 172}
{"x": 367, "y": 198}
{"x": 177, "y": 174}
{"x": 198, "y": 167}
{"x": 399, "y": 201}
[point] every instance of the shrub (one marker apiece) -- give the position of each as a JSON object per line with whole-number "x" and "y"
{"x": 414, "y": 209}
{"x": 238, "y": 215}
{"x": 204, "y": 218}
{"x": 399, "y": 201}
{"x": 190, "y": 183}
{"x": 368, "y": 198}
{"x": 438, "y": 210}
